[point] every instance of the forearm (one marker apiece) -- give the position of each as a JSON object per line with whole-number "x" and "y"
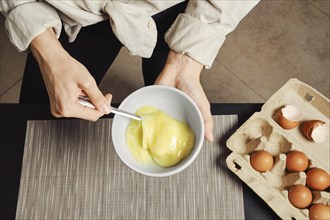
{"x": 46, "y": 48}
{"x": 202, "y": 29}
{"x": 26, "y": 19}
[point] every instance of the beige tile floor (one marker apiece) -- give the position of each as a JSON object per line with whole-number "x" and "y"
{"x": 278, "y": 40}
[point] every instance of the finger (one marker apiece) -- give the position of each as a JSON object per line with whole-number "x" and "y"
{"x": 82, "y": 93}
{"x": 208, "y": 123}
{"x": 54, "y": 111}
{"x": 108, "y": 97}
{"x": 95, "y": 95}
{"x": 92, "y": 114}
{"x": 205, "y": 108}
{"x": 86, "y": 113}
{"x": 74, "y": 109}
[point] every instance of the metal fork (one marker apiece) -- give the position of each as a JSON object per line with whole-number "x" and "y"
{"x": 85, "y": 101}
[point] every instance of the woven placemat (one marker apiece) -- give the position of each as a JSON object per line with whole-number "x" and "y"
{"x": 71, "y": 171}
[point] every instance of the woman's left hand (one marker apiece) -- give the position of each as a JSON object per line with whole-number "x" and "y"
{"x": 183, "y": 72}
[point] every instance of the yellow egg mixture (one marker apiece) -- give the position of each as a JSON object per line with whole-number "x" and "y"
{"x": 159, "y": 137}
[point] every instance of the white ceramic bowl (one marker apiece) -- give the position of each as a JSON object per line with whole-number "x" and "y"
{"x": 175, "y": 103}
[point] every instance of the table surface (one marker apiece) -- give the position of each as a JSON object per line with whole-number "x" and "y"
{"x": 13, "y": 121}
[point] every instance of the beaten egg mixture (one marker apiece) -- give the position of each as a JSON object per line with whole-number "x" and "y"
{"x": 159, "y": 137}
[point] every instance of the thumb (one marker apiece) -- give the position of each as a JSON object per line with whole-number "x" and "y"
{"x": 96, "y": 96}
{"x": 208, "y": 122}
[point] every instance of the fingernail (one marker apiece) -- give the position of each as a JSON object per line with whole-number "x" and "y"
{"x": 106, "y": 108}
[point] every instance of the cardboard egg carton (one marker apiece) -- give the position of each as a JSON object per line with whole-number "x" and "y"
{"x": 262, "y": 132}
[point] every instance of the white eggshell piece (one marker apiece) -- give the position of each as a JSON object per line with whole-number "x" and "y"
{"x": 291, "y": 113}
{"x": 320, "y": 133}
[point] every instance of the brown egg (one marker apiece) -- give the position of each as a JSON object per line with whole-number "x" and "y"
{"x": 262, "y": 161}
{"x": 317, "y": 179}
{"x": 319, "y": 211}
{"x": 300, "y": 196}
{"x": 296, "y": 161}
{"x": 316, "y": 130}
{"x": 289, "y": 117}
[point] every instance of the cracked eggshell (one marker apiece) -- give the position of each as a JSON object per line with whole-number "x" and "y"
{"x": 289, "y": 117}
{"x": 288, "y": 108}
{"x": 316, "y": 130}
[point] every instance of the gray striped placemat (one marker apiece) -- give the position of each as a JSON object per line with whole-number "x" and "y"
{"x": 71, "y": 171}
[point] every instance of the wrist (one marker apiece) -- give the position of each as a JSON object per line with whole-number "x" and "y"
{"x": 46, "y": 48}
{"x": 181, "y": 67}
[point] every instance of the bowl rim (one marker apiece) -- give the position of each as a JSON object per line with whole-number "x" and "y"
{"x": 193, "y": 155}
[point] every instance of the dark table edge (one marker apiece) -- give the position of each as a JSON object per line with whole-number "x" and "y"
{"x": 13, "y": 118}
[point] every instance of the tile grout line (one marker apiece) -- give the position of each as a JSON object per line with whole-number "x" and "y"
{"x": 14, "y": 84}
{"x": 316, "y": 7}
{"x": 239, "y": 79}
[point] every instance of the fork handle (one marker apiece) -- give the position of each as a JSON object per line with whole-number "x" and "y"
{"x": 85, "y": 101}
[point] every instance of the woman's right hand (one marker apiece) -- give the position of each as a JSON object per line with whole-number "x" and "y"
{"x": 65, "y": 79}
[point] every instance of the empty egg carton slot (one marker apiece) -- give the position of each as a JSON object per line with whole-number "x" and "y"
{"x": 279, "y": 158}
{"x": 259, "y": 135}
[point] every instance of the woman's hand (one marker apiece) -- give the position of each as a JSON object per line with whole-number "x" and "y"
{"x": 182, "y": 72}
{"x": 65, "y": 79}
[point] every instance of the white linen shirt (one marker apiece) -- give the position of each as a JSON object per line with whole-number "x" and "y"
{"x": 198, "y": 33}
